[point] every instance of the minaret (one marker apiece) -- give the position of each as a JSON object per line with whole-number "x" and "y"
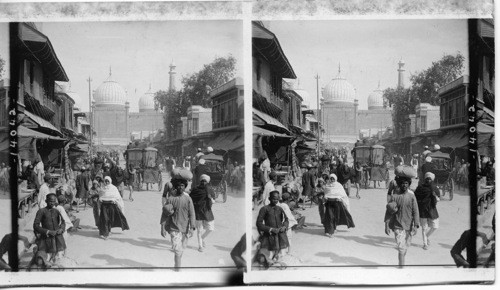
{"x": 401, "y": 70}
{"x": 171, "y": 86}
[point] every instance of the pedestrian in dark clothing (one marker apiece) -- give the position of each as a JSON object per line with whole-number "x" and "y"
{"x": 82, "y": 187}
{"x": 202, "y": 201}
{"x": 272, "y": 224}
{"x": 344, "y": 176}
{"x": 308, "y": 183}
{"x": 427, "y": 195}
{"x": 49, "y": 227}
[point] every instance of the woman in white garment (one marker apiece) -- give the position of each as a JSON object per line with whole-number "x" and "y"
{"x": 336, "y": 206}
{"x": 112, "y": 209}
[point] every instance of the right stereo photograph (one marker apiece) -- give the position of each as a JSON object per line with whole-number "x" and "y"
{"x": 373, "y": 144}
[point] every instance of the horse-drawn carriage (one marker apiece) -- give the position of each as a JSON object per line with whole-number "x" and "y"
{"x": 145, "y": 162}
{"x": 372, "y": 160}
{"x": 442, "y": 169}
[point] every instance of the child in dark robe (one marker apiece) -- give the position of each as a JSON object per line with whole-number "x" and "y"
{"x": 49, "y": 227}
{"x": 272, "y": 224}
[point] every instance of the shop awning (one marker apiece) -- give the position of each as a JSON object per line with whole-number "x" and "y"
{"x": 453, "y": 140}
{"x": 41, "y": 122}
{"x": 266, "y": 43}
{"x": 227, "y": 141}
{"x": 264, "y": 132}
{"x": 311, "y": 145}
{"x": 39, "y": 44}
{"x": 26, "y": 132}
{"x": 270, "y": 121}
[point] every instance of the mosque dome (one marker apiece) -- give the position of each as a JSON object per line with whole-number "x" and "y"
{"x": 110, "y": 93}
{"x": 147, "y": 102}
{"x": 339, "y": 90}
{"x": 376, "y": 100}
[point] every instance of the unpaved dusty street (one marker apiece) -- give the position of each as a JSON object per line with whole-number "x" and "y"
{"x": 142, "y": 246}
{"x": 367, "y": 245}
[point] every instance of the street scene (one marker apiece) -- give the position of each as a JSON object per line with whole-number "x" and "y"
{"x": 361, "y": 144}
{"x": 130, "y": 142}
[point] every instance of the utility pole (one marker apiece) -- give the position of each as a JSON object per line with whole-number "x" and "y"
{"x": 90, "y": 113}
{"x": 317, "y": 110}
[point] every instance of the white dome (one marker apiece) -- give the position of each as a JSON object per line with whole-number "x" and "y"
{"x": 147, "y": 102}
{"x": 110, "y": 93}
{"x": 339, "y": 90}
{"x": 376, "y": 100}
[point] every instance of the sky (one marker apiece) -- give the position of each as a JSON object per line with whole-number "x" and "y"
{"x": 139, "y": 53}
{"x": 368, "y": 51}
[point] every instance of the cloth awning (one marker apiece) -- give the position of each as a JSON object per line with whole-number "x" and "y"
{"x": 453, "y": 140}
{"x": 264, "y": 132}
{"x": 227, "y": 141}
{"x": 269, "y": 120}
{"x": 266, "y": 43}
{"x": 26, "y": 132}
{"x": 41, "y": 122}
{"x": 42, "y": 49}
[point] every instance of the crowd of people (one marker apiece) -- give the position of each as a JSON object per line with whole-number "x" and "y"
{"x": 328, "y": 185}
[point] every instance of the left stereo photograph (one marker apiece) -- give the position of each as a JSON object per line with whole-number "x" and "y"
{"x": 130, "y": 150}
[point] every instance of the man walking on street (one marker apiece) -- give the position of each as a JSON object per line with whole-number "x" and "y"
{"x": 202, "y": 201}
{"x": 402, "y": 217}
{"x": 427, "y": 195}
{"x": 178, "y": 219}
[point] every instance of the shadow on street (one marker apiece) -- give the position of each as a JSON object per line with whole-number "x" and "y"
{"x": 346, "y": 260}
{"x": 120, "y": 262}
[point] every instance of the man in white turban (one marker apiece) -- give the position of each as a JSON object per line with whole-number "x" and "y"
{"x": 202, "y": 200}
{"x": 427, "y": 195}
{"x": 426, "y": 167}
